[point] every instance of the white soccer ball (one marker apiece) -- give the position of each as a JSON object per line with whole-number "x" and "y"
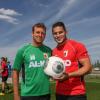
{"x": 54, "y": 67}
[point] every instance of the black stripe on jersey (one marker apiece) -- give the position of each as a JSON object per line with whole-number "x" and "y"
{"x": 23, "y": 72}
{"x": 80, "y": 65}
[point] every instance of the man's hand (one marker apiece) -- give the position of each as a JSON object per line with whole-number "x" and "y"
{"x": 63, "y": 77}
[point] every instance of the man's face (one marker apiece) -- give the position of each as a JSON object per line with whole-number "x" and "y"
{"x": 59, "y": 34}
{"x": 38, "y": 35}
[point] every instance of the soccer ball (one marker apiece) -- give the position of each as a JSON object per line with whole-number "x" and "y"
{"x": 54, "y": 67}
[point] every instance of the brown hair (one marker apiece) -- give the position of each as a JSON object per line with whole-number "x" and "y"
{"x": 39, "y": 25}
{"x": 3, "y": 58}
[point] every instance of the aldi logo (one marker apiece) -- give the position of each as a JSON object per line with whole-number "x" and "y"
{"x": 32, "y": 57}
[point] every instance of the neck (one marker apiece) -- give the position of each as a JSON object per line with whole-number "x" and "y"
{"x": 36, "y": 44}
{"x": 65, "y": 40}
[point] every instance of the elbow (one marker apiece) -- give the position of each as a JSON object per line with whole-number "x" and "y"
{"x": 89, "y": 70}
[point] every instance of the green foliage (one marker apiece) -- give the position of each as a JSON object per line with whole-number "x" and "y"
{"x": 97, "y": 64}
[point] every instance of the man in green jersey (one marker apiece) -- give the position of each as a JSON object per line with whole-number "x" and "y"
{"x": 35, "y": 83}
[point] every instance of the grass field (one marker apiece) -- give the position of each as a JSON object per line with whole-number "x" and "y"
{"x": 92, "y": 85}
{"x": 93, "y": 91}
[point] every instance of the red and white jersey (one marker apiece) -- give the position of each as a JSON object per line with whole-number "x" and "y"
{"x": 5, "y": 69}
{"x": 71, "y": 52}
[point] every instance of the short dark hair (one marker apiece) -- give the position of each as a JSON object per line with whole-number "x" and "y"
{"x": 42, "y": 25}
{"x": 61, "y": 24}
{"x": 3, "y": 58}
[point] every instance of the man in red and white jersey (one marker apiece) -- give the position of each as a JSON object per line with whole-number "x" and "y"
{"x": 71, "y": 85}
{"x": 4, "y": 74}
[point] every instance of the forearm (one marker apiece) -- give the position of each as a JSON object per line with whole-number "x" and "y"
{"x": 15, "y": 80}
{"x": 80, "y": 72}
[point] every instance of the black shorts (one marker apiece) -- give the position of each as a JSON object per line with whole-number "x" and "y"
{"x": 4, "y": 78}
{"x": 75, "y": 97}
{"x": 43, "y": 97}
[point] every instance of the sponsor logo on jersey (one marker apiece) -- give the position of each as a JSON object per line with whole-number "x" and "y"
{"x": 35, "y": 63}
{"x": 67, "y": 63}
{"x": 32, "y": 57}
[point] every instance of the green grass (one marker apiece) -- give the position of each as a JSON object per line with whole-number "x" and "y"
{"x": 93, "y": 90}
{"x": 7, "y": 96}
{"x": 92, "y": 85}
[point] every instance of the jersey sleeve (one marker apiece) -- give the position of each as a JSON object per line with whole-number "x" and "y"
{"x": 18, "y": 60}
{"x": 82, "y": 51}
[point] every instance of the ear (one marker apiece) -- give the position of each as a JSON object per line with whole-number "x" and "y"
{"x": 32, "y": 33}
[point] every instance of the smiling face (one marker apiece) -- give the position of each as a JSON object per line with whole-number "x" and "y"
{"x": 38, "y": 35}
{"x": 59, "y": 34}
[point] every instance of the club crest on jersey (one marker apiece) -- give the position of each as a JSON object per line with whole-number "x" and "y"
{"x": 32, "y": 57}
{"x": 45, "y": 55}
{"x": 65, "y": 53}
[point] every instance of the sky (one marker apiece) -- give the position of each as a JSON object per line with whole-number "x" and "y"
{"x": 81, "y": 17}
